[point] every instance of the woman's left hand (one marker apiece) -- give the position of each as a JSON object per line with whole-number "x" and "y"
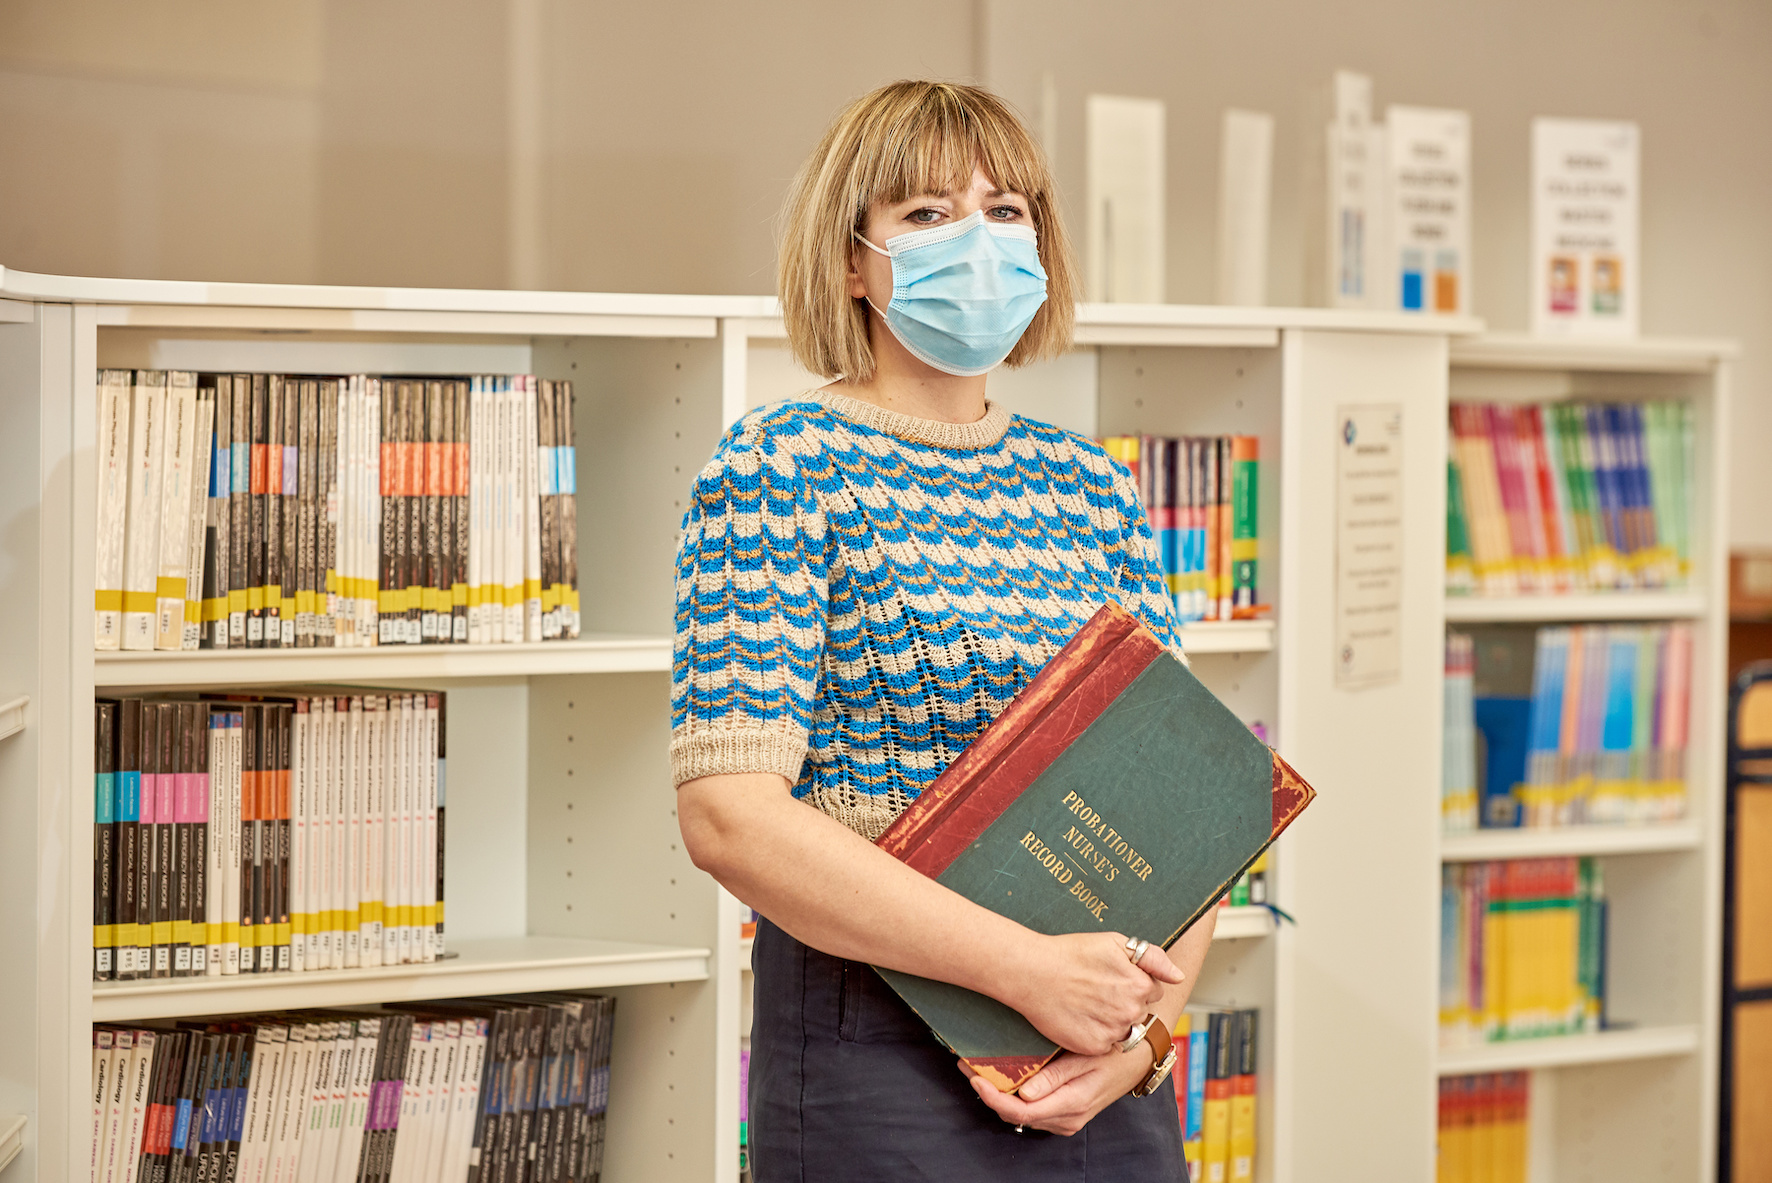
{"x": 1063, "y": 1096}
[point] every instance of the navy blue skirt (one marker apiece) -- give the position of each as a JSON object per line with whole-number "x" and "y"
{"x": 848, "y": 1084}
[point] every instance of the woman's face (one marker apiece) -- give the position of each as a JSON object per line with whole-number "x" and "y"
{"x": 870, "y": 273}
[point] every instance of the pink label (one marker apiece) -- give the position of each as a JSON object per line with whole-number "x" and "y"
{"x": 187, "y": 798}
{"x": 199, "y": 796}
{"x": 166, "y": 809}
{"x": 150, "y": 798}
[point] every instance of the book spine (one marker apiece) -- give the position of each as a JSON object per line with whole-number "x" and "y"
{"x": 1245, "y": 523}
{"x": 202, "y": 464}
{"x": 114, "y": 472}
{"x": 104, "y": 852}
{"x": 141, "y": 547}
{"x": 176, "y": 479}
{"x": 165, "y": 850}
{"x": 567, "y": 462}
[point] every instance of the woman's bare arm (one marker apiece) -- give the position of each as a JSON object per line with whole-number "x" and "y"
{"x": 832, "y": 889}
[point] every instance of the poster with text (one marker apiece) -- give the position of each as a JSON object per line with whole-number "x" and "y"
{"x": 1429, "y": 190}
{"x": 1585, "y": 273}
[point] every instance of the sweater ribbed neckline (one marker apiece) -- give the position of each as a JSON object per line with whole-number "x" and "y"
{"x": 980, "y": 433}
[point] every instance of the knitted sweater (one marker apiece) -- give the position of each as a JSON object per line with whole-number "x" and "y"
{"x": 859, "y": 592}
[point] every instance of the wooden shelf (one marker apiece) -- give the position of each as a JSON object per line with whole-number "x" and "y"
{"x": 511, "y": 965}
{"x": 262, "y": 667}
{"x": 1234, "y": 924}
{"x": 1556, "y": 841}
{"x": 12, "y": 1137}
{"x": 1563, "y": 1051}
{"x": 1685, "y": 605}
{"x": 1230, "y": 636}
{"x": 12, "y": 715}
{"x": 1674, "y": 355}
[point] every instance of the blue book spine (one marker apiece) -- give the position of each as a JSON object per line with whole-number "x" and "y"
{"x": 1505, "y": 724}
{"x": 1198, "y": 1048}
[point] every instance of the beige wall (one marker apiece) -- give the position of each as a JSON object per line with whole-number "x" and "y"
{"x": 645, "y": 146}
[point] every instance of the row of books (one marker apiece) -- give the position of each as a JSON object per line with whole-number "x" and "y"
{"x": 469, "y": 1091}
{"x": 1482, "y": 1128}
{"x": 1566, "y": 725}
{"x": 1215, "y": 1083}
{"x": 1201, "y": 495}
{"x": 267, "y": 835}
{"x": 1522, "y": 950}
{"x": 1568, "y": 497}
{"x": 279, "y": 511}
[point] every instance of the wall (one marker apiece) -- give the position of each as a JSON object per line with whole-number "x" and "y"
{"x": 560, "y": 143}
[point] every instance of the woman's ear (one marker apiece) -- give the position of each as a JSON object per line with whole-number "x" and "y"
{"x": 858, "y": 288}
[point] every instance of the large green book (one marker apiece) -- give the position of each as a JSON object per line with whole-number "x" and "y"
{"x": 1114, "y": 794}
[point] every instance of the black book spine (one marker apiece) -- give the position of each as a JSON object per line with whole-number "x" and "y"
{"x": 485, "y": 1114}
{"x": 165, "y": 848}
{"x": 236, "y": 1120}
{"x": 129, "y": 804}
{"x": 388, "y": 630}
{"x": 286, "y": 537}
{"x": 505, "y": 1032}
{"x": 184, "y": 1112}
{"x": 284, "y": 713}
{"x": 201, "y": 938}
{"x": 104, "y": 840}
{"x": 183, "y": 716}
{"x": 252, "y": 842}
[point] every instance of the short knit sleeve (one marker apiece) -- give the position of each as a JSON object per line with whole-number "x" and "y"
{"x": 751, "y": 603}
{"x": 1143, "y": 590}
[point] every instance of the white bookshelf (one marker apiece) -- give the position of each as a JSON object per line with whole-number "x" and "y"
{"x": 1637, "y": 1100}
{"x": 12, "y": 1137}
{"x": 564, "y": 863}
{"x": 12, "y": 715}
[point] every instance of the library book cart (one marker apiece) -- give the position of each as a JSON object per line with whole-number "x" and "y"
{"x": 1637, "y": 1100}
{"x": 564, "y": 865}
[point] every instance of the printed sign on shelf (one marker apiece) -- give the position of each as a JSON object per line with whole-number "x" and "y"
{"x": 1584, "y": 228}
{"x": 1429, "y": 187}
{"x": 1369, "y": 545}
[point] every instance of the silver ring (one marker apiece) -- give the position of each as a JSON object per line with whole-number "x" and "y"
{"x": 1136, "y": 1036}
{"x": 1135, "y": 949}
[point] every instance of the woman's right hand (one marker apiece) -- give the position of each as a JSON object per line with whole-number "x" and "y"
{"x": 1083, "y": 993}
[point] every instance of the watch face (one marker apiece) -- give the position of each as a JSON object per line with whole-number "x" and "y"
{"x": 1159, "y": 1073}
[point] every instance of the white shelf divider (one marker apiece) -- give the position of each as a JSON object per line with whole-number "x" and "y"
{"x": 1687, "y": 605}
{"x": 508, "y": 965}
{"x": 12, "y": 715}
{"x": 12, "y": 1137}
{"x": 248, "y": 667}
{"x": 1560, "y": 841}
{"x": 1564, "y": 1051}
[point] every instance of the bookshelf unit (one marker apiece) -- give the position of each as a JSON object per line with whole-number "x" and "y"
{"x": 1637, "y": 1100}
{"x": 564, "y": 865}
{"x": 1326, "y": 987}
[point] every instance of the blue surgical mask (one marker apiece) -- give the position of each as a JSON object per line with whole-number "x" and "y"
{"x": 963, "y": 294}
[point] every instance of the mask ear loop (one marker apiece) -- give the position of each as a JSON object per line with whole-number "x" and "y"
{"x": 878, "y": 251}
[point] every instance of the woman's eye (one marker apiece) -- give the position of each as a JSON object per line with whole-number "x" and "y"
{"x": 1006, "y": 213}
{"x": 926, "y": 217}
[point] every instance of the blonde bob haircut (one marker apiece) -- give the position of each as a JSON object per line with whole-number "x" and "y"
{"x": 902, "y": 140}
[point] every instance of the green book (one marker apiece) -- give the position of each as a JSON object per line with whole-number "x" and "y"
{"x": 1115, "y": 794}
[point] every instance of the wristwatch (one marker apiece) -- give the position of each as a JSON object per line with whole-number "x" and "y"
{"x": 1156, "y": 1033}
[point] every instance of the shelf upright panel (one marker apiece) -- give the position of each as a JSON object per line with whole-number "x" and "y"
{"x": 1358, "y": 992}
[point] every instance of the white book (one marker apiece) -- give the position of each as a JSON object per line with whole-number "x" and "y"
{"x": 202, "y": 466}
{"x": 528, "y": 444}
{"x": 292, "y": 1096}
{"x": 215, "y": 843}
{"x": 141, "y": 541}
{"x": 113, "y": 507}
{"x": 116, "y": 1106}
{"x": 268, "y": 1043}
{"x": 373, "y": 889}
{"x": 427, "y": 844}
{"x": 177, "y": 480}
{"x": 335, "y": 891}
{"x": 350, "y": 1145}
{"x": 491, "y": 584}
{"x": 440, "y": 1097}
{"x": 407, "y": 1133}
{"x": 465, "y": 1107}
{"x": 351, "y": 865}
{"x": 343, "y": 609}
{"x": 103, "y": 1055}
{"x": 514, "y": 513}
{"x": 411, "y": 822}
{"x": 368, "y": 626}
{"x": 397, "y": 938}
{"x": 315, "y": 1107}
{"x": 135, "y": 1106}
{"x": 325, "y": 1166}
{"x": 476, "y": 509}
{"x": 298, "y": 836}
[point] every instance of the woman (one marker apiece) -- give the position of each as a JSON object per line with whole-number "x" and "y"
{"x": 867, "y": 577}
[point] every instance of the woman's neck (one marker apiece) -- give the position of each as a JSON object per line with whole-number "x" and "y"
{"x": 909, "y": 386}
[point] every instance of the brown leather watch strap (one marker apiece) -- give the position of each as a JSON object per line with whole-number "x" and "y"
{"x": 1157, "y": 1035}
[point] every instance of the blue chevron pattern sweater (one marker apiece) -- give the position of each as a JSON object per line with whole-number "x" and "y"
{"x": 859, "y": 593}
